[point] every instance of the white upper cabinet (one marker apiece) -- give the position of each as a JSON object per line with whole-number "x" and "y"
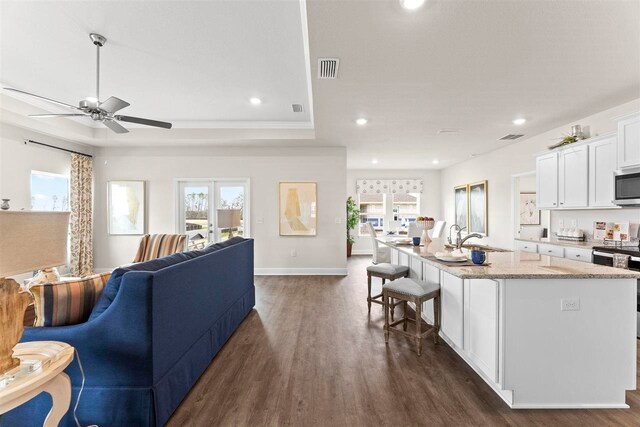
{"x": 547, "y": 180}
{"x": 602, "y": 163}
{"x": 629, "y": 141}
{"x": 574, "y": 177}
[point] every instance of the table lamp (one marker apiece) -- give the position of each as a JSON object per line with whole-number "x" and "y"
{"x": 28, "y": 241}
{"x": 229, "y": 218}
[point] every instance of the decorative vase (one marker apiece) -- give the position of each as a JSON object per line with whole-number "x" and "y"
{"x": 5, "y": 204}
{"x": 426, "y": 226}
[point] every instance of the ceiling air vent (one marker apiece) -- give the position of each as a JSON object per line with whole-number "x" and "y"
{"x": 328, "y": 68}
{"x": 510, "y": 137}
{"x": 297, "y": 108}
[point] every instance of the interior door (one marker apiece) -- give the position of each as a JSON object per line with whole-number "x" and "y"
{"x": 231, "y": 214}
{"x": 195, "y": 213}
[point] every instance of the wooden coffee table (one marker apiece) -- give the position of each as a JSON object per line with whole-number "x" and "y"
{"x": 52, "y": 357}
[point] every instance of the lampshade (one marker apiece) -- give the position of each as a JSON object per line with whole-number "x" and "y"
{"x": 228, "y": 218}
{"x": 32, "y": 241}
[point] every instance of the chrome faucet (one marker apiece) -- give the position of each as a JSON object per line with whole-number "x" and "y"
{"x": 458, "y": 235}
{"x": 467, "y": 237}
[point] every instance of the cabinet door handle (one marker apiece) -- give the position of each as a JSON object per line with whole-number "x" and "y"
{"x": 577, "y": 256}
{"x": 549, "y": 251}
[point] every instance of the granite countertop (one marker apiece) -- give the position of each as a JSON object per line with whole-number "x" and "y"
{"x": 565, "y": 243}
{"x": 515, "y": 265}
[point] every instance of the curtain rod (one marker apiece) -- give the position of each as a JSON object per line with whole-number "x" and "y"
{"x": 30, "y": 141}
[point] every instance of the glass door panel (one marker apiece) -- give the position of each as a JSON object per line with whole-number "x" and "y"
{"x": 195, "y": 215}
{"x": 230, "y": 210}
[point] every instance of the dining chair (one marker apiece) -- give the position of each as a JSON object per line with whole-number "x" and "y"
{"x": 380, "y": 253}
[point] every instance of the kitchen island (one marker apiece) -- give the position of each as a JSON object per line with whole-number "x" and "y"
{"x": 543, "y": 332}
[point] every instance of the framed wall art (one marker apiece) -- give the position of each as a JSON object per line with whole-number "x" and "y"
{"x": 298, "y": 208}
{"x": 126, "y": 207}
{"x": 478, "y": 208}
{"x": 461, "y": 194}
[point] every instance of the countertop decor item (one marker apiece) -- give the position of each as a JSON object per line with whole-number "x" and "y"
{"x": 478, "y": 257}
{"x": 30, "y": 241}
{"x": 353, "y": 219}
{"x": 5, "y": 204}
{"x": 427, "y": 224}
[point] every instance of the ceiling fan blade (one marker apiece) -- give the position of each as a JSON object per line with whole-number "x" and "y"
{"x": 141, "y": 121}
{"x": 113, "y": 104}
{"x": 42, "y": 97}
{"x": 44, "y": 116}
{"x": 115, "y": 126}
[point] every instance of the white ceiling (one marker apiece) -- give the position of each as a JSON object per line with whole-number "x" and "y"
{"x": 194, "y": 63}
{"x": 456, "y": 64}
{"x": 468, "y": 65}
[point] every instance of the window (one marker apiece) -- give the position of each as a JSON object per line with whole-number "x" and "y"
{"x": 393, "y": 211}
{"x": 49, "y": 191}
{"x": 372, "y": 210}
{"x": 406, "y": 208}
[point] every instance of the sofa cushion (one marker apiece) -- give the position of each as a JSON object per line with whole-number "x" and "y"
{"x": 111, "y": 288}
{"x": 213, "y": 247}
{"x": 67, "y": 302}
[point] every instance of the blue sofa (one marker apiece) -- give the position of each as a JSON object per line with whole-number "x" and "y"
{"x": 154, "y": 331}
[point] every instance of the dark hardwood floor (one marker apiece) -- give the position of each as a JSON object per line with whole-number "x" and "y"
{"x": 309, "y": 355}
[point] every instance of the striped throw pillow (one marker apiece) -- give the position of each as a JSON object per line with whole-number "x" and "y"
{"x": 67, "y": 303}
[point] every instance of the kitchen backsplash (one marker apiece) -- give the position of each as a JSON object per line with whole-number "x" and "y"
{"x": 584, "y": 219}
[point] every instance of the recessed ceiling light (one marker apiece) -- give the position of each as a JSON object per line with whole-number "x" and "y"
{"x": 374, "y": 161}
{"x": 361, "y": 121}
{"x": 411, "y": 4}
{"x": 255, "y": 101}
{"x": 435, "y": 161}
{"x": 519, "y": 121}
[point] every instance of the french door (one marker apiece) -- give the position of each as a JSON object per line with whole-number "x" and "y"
{"x": 212, "y": 210}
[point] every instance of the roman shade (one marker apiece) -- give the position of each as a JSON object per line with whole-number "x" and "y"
{"x": 390, "y": 186}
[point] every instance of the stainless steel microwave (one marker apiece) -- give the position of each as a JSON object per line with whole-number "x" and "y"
{"x": 627, "y": 188}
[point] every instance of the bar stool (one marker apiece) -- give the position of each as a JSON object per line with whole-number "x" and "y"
{"x": 385, "y": 271}
{"x": 417, "y": 292}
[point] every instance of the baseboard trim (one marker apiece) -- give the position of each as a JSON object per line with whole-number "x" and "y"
{"x": 361, "y": 252}
{"x": 300, "y": 271}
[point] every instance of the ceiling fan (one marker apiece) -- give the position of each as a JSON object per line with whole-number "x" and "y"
{"x": 92, "y": 107}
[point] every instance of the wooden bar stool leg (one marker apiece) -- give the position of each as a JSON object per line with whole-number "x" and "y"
{"x": 369, "y": 290}
{"x": 405, "y": 317}
{"x": 436, "y": 319}
{"x": 386, "y": 317}
{"x": 392, "y": 303}
{"x": 418, "y": 326}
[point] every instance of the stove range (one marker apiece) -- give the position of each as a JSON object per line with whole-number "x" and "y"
{"x": 633, "y": 250}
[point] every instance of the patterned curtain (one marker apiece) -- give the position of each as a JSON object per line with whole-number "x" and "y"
{"x": 81, "y": 220}
{"x": 392, "y": 186}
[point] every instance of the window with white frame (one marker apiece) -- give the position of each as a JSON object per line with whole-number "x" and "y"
{"x": 49, "y": 191}
{"x": 372, "y": 210}
{"x": 388, "y": 204}
{"x": 406, "y": 208}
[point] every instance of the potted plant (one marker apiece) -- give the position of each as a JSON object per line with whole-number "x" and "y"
{"x": 353, "y": 218}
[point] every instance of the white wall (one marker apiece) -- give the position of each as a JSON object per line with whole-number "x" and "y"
{"x": 160, "y": 167}
{"x": 498, "y": 166}
{"x": 18, "y": 159}
{"x": 430, "y": 201}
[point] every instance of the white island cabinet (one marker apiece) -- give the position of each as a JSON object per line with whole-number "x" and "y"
{"x": 542, "y": 331}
